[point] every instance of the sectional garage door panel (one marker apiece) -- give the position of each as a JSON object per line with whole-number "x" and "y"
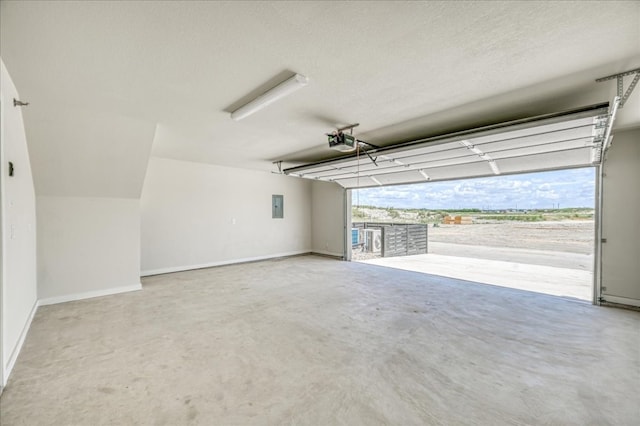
{"x": 476, "y": 169}
{"x": 579, "y": 127}
{"x": 546, "y": 161}
{"x": 579, "y": 146}
{"x": 536, "y": 141}
{"x": 555, "y": 141}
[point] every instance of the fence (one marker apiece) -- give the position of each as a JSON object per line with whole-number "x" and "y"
{"x": 399, "y": 239}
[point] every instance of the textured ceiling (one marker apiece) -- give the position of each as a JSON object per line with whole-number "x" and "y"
{"x": 110, "y": 82}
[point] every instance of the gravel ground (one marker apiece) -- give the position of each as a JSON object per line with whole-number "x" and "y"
{"x": 575, "y": 236}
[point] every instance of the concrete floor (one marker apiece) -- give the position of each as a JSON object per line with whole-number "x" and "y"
{"x": 310, "y": 340}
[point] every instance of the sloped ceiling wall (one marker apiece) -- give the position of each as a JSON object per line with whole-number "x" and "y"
{"x": 83, "y": 153}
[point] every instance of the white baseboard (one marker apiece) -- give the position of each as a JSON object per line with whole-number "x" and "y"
{"x": 16, "y": 350}
{"x": 220, "y": 263}
{"x": 621, "y": 300}
{"x": 89, "y": 294}
{"x": 328, "y": 253}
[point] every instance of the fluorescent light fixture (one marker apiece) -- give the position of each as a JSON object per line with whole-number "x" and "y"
{"x": 424, "y": 175}
{"x": 494, "y": 167}
{"x": 270, "y": 96}
{"x": 375, "y": 180}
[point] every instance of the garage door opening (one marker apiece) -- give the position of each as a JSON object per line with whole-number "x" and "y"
{"x": 569, "y": 140}
{"x": 531, "y": 231}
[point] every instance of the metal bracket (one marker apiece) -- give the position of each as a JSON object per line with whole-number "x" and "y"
{"x": 348, "y": 127}
{"x": 373, "y": 160}
{"x": 613, "y": 109}
{"x": 19, "y": 103}
{"x": 620, "y": 77}
{"x": 369, "y": 144}
{"x": 279, "y": 164}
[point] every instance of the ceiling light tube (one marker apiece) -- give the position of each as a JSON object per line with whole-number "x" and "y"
{"x": 270, "y": 96}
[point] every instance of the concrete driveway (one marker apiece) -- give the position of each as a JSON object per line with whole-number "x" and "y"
{"x": 556, "y": 273}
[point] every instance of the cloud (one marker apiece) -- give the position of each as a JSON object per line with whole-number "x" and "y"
{"x": 544, "y": 187}
{"x": 568, "y": 188}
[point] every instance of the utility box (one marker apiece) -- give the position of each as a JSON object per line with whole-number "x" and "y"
{"x": 277, "y": 206}
{"x": 355, "y": 236}
{"x": 373, "y": 240}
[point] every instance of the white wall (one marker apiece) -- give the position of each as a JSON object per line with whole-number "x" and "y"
{"x": 621, "y": 220}
{"x": 197, "y": 215}
{"x": 87, "y": 247}
{"x": 328, "y": 218}
{"x": 19, "y": 281}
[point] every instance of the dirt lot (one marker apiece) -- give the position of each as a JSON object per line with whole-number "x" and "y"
{"x": 573, "y": 236}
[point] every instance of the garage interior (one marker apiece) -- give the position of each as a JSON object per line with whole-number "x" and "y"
{"x": 165, "y": 259}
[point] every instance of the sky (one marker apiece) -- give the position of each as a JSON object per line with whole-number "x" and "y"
{"x": 543, "y": 190}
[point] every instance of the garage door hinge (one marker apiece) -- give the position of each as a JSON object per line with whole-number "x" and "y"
{"x": 603, "y": 240}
